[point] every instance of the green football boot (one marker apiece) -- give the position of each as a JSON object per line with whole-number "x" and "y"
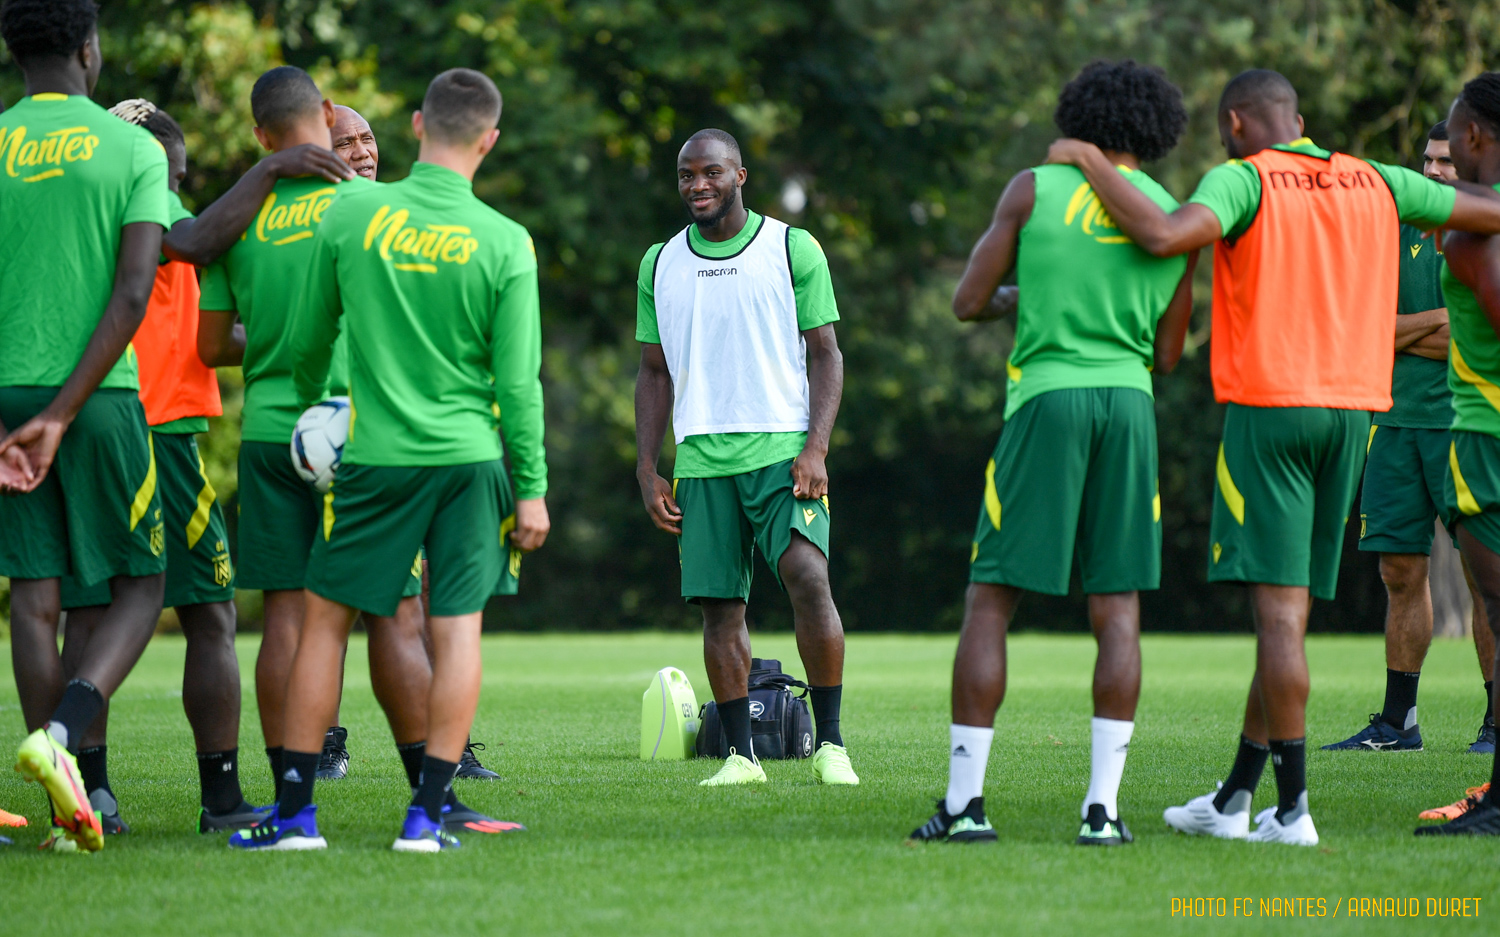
{"x": 737, "y": 769}
{"x": 830, "y": 765}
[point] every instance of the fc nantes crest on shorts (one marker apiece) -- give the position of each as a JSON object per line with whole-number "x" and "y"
{"x": 98, "y": 513}
{"x": 1074, "y": 472}
{"x": 196, "y": 543}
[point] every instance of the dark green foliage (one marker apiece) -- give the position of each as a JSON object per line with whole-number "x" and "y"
{"x": 900, "y": 121}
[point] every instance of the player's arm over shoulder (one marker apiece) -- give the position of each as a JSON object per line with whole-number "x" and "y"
{"x": 1420, "y": 201}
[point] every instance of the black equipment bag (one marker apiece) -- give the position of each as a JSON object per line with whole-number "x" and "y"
{"x": 780, "y": 724}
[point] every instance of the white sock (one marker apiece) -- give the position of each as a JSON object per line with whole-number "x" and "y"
{"x": 1111, "y": 741}
{"x": 59, "y": 732}
{"x": 968, "y": 756}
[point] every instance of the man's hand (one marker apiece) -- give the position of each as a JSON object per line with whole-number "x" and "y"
{"x": 656, "y": 492}
{"x": 1070, "y": 152}
{"x": 809, "y": 476}
{"x": 36, "y": 441}
{"x": 309, "y": 159}
{"x": 532, "y": 524}
{"x": 16, "y": 476}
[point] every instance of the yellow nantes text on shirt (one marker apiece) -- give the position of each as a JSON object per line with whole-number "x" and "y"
{"x": 292, "y": 220}
{"x": 44, "y": 156}
{"x": 409, "y": 244}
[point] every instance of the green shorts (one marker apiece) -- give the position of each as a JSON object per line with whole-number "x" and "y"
{"x": 1403, "y": 490}
{"x": 1074, "y": 472}
{"x": 198, "y": 566}
{"x": 377, "y": 518}
{"x": 725, "y": 519}
{"x": 1285, "y": 481}
{"x": 279, "y": 515}
{"x": 1471, "y": 490}
{"x": 98, "y": 513}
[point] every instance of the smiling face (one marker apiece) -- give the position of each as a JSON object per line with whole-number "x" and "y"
{"x": 709, "y": 179}
{"x": 354, "y": 142}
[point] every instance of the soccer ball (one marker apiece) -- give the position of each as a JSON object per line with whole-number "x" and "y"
{"x": 318, "y": 441}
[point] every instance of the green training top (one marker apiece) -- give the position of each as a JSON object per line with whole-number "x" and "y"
{"x": 260, "y": 277}
{"x": 71, "y": 176}
{"x": 1419, "y": 386}
{"x": 715, "y": 455}
{"x": 1090, "y": 298}
{"x": 438, "y": 295}
{"x": 1232, "y": 192}
{"x": 1473, "y": 360}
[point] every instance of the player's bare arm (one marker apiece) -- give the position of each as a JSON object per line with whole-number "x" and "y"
{"x": 653, "y": 405}
{"x": 1476, "y": 209}
{"x": 532, "y": 524}
{"x": 1188, "y": 228}
{"x": 825, "y": 379}
{"x": 200, "y": 241}
{"x": 1172, "y": 330}
{"x": 15, "y": 468}
{"x": 221, "y": 338}
{"x": 1475, "y": 261}
{"x": 135, "y": 273}
{"x": 1413, "y": 328}
{"x": 994, "y": 255}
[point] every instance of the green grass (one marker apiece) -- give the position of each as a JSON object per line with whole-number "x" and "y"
{"x": 618, "y": 846}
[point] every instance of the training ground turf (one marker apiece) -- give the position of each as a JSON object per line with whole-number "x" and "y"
{"x": 617, "y": 846}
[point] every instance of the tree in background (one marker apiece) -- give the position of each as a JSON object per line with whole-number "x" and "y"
{"x": 887, "y": 128}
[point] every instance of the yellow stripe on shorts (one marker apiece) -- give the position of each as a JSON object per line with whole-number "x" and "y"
{"x": 1232, "y": 497}
{"x": 1371, "y": 441}
{"x": 991, "y": 496}
{"x": 143, "y": 494}
{"x": 198, "y": 523}
{"x": 1466, "y": 501}
{"x": 328, "y": 515}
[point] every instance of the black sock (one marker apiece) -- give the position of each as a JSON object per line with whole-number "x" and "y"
{"x": 825, "y": 707}
{"x": 1489, "y": 702}
{"x": 80, "y": 705}
{"x": 1249, "y": 763}
{"x": 92, "y": 765}
{"x": 219, "y": 780}
{"x": 275, "y": 755}
{"x": 1400, "y": 698}
{"x": 734, "y": 716}
{"x": 1289, "y": 760}
{"x": 300, "y": 769}
{"x": 437, "y": 778}
{"x": 411, "y": 760}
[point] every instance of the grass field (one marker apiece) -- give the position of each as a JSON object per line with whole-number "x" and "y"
{"x": 617, "y": 846}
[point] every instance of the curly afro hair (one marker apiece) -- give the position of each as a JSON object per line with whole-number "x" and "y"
{"x": 1123, "y": 106}
{"x": 46, "y": 28}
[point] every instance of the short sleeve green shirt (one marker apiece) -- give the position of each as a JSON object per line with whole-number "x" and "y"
{"x": 71, "y": 176}
{"x": 1473, "y": 359}
{"x": 261, "y": 277}
{"x": 1231, "y": 191}
{"x": 715, "y": 455}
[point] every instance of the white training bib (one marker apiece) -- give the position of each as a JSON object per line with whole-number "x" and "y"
{"x": 729, "y": 333}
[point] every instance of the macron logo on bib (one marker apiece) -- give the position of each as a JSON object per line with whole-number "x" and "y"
{"x": 719, "y": 272}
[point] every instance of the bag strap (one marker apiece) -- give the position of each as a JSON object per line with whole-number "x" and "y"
{"x": 781, "y": 681}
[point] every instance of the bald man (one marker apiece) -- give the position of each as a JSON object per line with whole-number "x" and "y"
{"x": 752, "y": 435}
{"x": 354, "y": 141}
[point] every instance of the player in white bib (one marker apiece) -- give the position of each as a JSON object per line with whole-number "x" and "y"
{"x": 735, "y": 315}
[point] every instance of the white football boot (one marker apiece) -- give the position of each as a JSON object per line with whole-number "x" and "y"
{"x": 1295, "y": 829}
{"x": 1199, "y": 816}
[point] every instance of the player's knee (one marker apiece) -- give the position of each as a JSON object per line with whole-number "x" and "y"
{"x": 208, "y": 623}
{"x": 804, "y": 570}
{"x": 1403, "y": 573}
